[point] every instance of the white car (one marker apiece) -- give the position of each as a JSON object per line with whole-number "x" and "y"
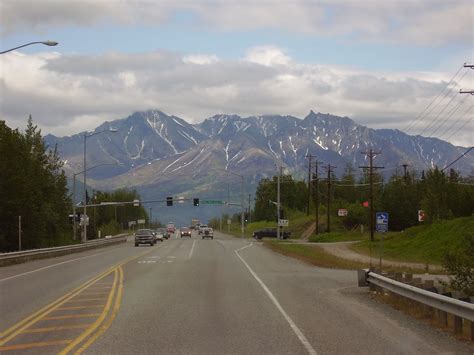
{"x": 202, "y": 227}
{"x": 159, "y": 235}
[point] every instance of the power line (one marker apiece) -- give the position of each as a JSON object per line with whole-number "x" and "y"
{"x": 449, "y": 115}
{"x": 460, "y": 128}
{"x": 420, "y": 115}
{"x": 454, "y": 161}
{"x": 455, "y": 94}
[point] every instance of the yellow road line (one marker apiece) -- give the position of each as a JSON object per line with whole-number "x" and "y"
{"x": 103, "y": 328}
{"x": 87, "y": 300}
{"x": 80, "y": 307}
{"x": 94, "y": 293}
{"x": 27, "y": 322}
{"x": 94, "y": 325}
{"x": 87, "y": 315}
{"x": 34, "y": 345}
{"x": 52, "y": 329}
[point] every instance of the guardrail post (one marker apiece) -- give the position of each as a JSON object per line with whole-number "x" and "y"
{"x": 472, "y": 330}
{"x": 457, "y": 325}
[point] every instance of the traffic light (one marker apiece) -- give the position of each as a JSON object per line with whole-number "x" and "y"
{"x": 246, "y": 216}
{"x": 169, "y": 201}
{"x": 196, "y": 202}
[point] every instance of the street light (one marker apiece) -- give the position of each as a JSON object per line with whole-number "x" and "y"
{"x": 74, "y": 194}
{"x": 46, "y": 43}
{"x": 84, "y": 234}
{"x": 242, "y": 199}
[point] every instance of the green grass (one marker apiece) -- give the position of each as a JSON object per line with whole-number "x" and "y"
{"x": 422, "y": 244}
{"x": 299, "y": 222}
{"x": 314, "y": 255}
{"x": 338, "y": 237}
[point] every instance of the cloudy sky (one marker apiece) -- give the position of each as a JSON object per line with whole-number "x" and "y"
{"x": 386, "y": 64}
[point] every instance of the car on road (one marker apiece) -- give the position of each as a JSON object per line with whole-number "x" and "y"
{"x": 208, "y": 233}
{"x": 159, "y": 235}
{"x": 201, "y": 228}
{"x": 269, "y": 233}
{"x": 171, "y": 228}
{"x": 145, "y": 236}
{"x": 164, "y": 232}
{"x": 185, "y": 232}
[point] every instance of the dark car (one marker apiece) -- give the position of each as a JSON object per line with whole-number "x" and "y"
{"x": 145, "y": 236}
{"x": 269, "y": 233}
{"x": 185, "y": 232}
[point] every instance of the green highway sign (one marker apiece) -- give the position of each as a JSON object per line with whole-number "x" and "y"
{"x": 212, "y": 202}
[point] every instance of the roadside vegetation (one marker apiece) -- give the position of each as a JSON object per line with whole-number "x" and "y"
{"x": 33, "y": 186}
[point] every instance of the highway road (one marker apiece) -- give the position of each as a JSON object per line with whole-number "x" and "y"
{"x": 193, "y": 296}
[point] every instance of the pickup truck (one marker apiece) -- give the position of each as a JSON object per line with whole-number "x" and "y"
{"x": 269, "y": 233}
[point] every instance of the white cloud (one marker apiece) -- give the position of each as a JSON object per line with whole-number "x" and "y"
{"x": 69, "y": 93}
{"x": 200, "y": 59}
{"x": 267, "y": 55}
{"x": 425, "y": 22}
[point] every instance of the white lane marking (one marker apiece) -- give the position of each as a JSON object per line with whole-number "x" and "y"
{"x": 192, "y": 249}
{"x": 171, "y": 257}
{"x": 50, "y": 266}
{"x": 292, "y": 324}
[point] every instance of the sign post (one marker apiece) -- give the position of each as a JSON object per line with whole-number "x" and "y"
{"x": 381, "y": 225}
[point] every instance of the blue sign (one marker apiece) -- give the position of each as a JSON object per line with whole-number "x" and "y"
{"x": 381, "y": 221}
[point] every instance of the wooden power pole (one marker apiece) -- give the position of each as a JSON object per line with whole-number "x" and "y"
{"x": 371, "y": 154}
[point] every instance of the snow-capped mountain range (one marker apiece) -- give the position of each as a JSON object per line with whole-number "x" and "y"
{"x": 161, "y": 144}
{"x": 161, "y": 155}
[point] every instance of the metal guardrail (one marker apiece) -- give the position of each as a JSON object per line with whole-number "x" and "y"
{"x": 443, "y": 303}
{"x": 22, "y": 256}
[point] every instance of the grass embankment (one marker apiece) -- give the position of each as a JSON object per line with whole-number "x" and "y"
{"x": 338, "y": 237}
{"x": 314, "y": 255}
{"x": 298, "y": 224}
{"x": 422, "y": 244}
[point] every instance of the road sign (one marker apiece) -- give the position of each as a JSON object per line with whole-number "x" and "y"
{"x": 283, "y": 223}
{"x": 211, "y": 202}
{"x": 381, "y": 221}
{"x": 229, "y": 221}
{"x": 136, "y": 203}
{"x": 421, "y": 216}
{"x": 342, "y": 212}
{"x": 141, "y": 221}
{"x": 180, "y": 199}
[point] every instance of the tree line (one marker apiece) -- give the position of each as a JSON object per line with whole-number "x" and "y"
{"x": 33, "y": 188}
{"x": 440, "y": 195}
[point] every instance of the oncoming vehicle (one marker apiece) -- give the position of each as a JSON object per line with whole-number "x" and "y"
{"x": 185, "y": 232}
{"x": 269, "y": 233}
{"x": 207, "y": 233}
{"x": 145, "y": 236}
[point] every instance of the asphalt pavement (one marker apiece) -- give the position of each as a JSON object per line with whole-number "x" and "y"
{"x": 194, "y": 296}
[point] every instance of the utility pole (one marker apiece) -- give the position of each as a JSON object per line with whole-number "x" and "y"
{"x": 19, "y": 233}
{"x": 278, "y": 202}
{"x": 405, "y": 172}
{"x": 371, "y": 154}
{"x": 316, "y": 196}
{"x": 329, "y": 170}
{"x": 309, "y": 181}
{"x": 249, "y": 210}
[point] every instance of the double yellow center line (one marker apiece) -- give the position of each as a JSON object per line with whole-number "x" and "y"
{"x": 92, "y": 331}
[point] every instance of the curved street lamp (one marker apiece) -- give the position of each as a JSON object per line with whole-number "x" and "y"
{"x": 46, "y": 43}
